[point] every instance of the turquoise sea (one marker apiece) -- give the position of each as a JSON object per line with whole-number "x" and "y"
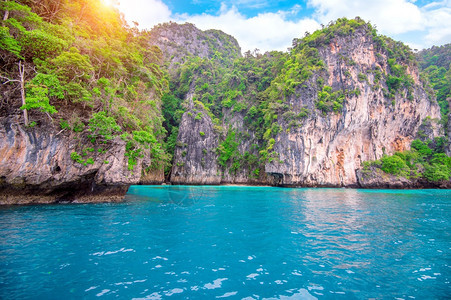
{"x": 185, "y": 242}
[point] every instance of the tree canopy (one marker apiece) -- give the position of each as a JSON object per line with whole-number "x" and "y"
{"x": 85, "y": 66}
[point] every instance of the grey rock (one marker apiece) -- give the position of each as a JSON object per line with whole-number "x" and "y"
{"x": 196, "y": 161}
{"x": 328, "y": 149}
{"x": 36, "y": 167}
{"x": 179, "y": 41}
{"x": 375, "y": 178}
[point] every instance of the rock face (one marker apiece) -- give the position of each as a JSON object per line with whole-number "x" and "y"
{"x": 328, "y": 149}
{"x": 196, "y": 158}
{"x": 322, "y": 149}
{"x": 36, "y": 167}
{"x": 246, "y": 140}
{"x": 196, "y": 148}
{"x": 179, "y": 41}
{"x": 375, "y": 178}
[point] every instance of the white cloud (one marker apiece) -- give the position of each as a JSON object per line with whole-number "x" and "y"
{"x": 401, "y": 19}
{"x": 414, "y": 46}
{"x": 393, "y": 17}
{"x": 147, "y": 13}
{"x": 390, "y": 16}
{"x": 266, "y": 31}
{"x": 437, "y": 22}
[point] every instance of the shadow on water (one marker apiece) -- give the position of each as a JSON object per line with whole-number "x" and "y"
{"x": 178, "y": 195}
{"x": 185, "y": 196}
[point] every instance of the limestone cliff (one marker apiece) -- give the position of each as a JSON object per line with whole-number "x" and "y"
{"x": 375, "y": 114}
{"x": 307, "y": 117}
{"x": 196, "y": 149}
{"x": 328, "y": 149}
{"x": 180, "y": 41}
{"x": 80, "y": 114}
{"x": 196, "y": 153}
{"x": 36, "y": 166}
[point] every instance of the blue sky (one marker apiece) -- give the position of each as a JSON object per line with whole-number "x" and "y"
{"x": 271, "y": 25}
{"x": 247, "y": 8}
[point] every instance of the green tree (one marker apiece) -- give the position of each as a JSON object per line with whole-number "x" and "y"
{"x": 103, "y": 126}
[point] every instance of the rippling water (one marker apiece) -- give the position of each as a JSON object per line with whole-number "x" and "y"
{"x": 237, "y": 242}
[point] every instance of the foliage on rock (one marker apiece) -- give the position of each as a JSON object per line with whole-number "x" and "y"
{"x": 258, "y": 90}
{"x": 426, "y": 160}
{"x": 435, "y": 64}
{"x": 84, "y": 65}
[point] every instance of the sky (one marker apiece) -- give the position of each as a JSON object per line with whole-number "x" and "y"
{"x": 272, "y": 24}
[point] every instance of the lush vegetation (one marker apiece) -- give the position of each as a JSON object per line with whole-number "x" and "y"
{"x": 426, "y": 160}
{"x": 222, "y": 87}
{"x": 260, "y": 88}
{"x": 435, "y": 64}
{"x": 77, "y": 66}
{"x": 78, "y": 62}
{"x": 181, "y": 41}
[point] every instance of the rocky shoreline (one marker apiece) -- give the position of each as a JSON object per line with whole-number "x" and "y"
{"x": 116, "y": 194}
{"x": 357, "y": 101}
{"x": 37, "y": 166}
{"x": 105, "y": 194}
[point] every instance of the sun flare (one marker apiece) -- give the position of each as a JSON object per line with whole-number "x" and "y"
{"x": 109, "y": 2}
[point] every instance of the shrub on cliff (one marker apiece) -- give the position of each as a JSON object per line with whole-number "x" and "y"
{"x": 228, "y": 150}
{"x": 102, "y": 126}
{"x": 435, "y": 65}
{"x": 425, "y": 160}
{"x": 78, "y": 60}
{"x": 394, "y": 165}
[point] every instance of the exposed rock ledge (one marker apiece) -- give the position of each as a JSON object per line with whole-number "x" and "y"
{"x": 375, "y": 178}
{"x": 70, "y": 194}
{"x": 36, "y": 167}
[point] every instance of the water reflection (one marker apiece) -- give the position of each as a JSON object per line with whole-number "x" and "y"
{"x": 213, "y": 242}
{"x": 185, "y": 196}
{"x": 178, "y": 195}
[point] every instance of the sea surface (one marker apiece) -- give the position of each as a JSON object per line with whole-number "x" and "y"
{"x": 180, "y": 242}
